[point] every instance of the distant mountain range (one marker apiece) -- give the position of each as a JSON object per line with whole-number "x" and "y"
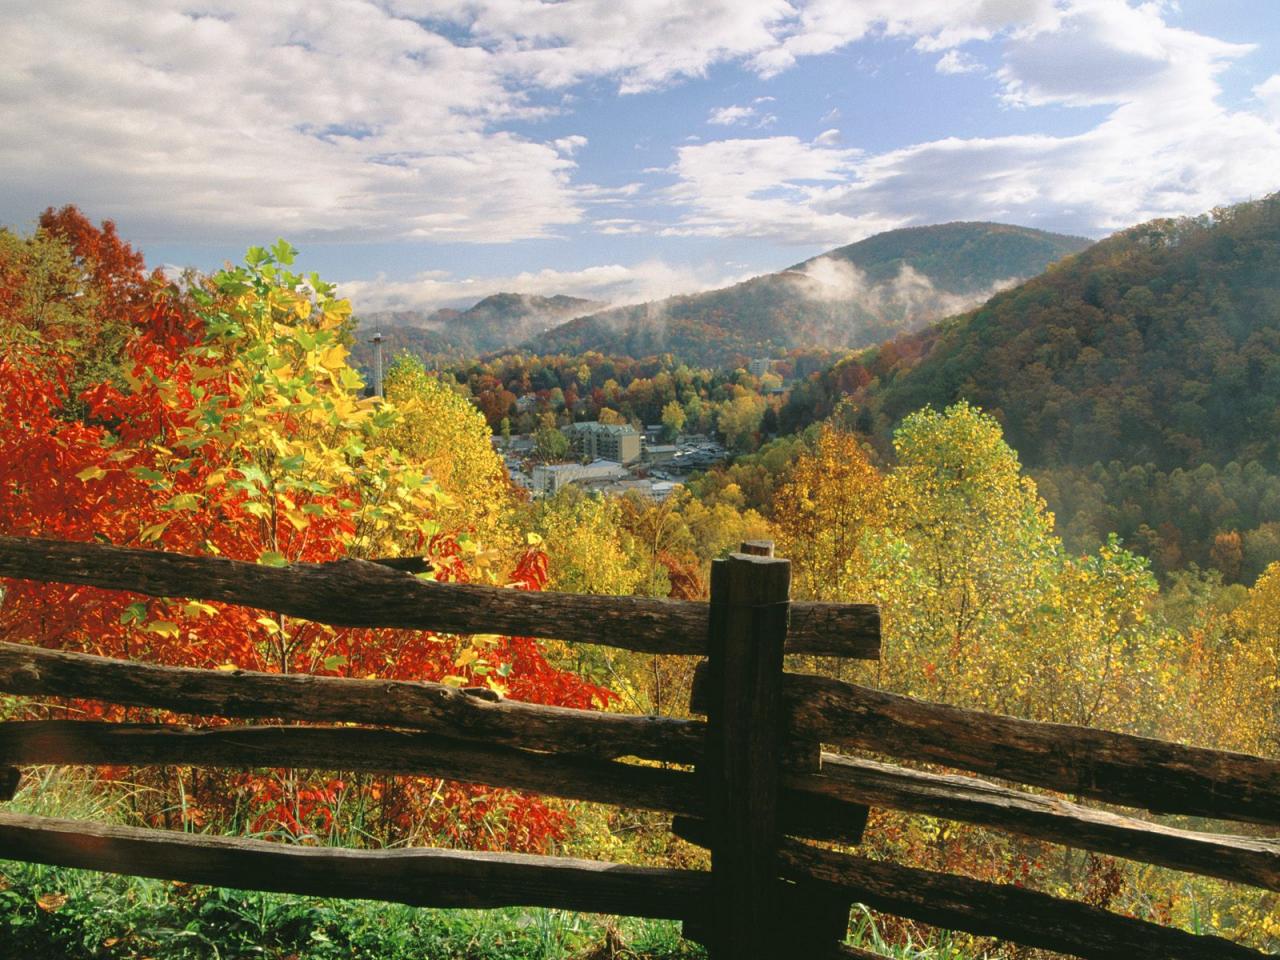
{"x": 849, "y": 297}
{"x": 495, "y": 323}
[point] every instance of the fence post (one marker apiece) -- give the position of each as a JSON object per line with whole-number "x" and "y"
{"x": 750, "y": 604}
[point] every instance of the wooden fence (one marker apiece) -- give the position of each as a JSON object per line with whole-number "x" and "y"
{"x": 751, "y": 782}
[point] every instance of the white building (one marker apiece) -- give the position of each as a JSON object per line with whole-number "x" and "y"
{"x": 548, "y": 479}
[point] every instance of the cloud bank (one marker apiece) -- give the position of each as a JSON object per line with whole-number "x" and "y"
{"x": 397, "y": 120}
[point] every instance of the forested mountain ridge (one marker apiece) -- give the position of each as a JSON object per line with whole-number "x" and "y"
{"x": 849, "y": 297}
{"x": 497, "y": 322}
{"x": 1156, "y": 350}
{"x": 961, "y": 256}
{"x": 1159, "y": 344}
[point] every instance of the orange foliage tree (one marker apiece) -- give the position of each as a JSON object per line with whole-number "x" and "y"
{"x": 230, "y": 424}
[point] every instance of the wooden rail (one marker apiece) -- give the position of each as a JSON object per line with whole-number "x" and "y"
{"x": 1000, "y": 910}
{"x": 469, "y": 714}
{"x": 358, "y": 593}
{"x": 1116, "y": 768}
{"x": 855, "y": 780}
{"x": 760, "y": 780}
{"x": 423, "y": 878}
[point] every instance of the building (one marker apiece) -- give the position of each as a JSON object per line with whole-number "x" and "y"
{"x": 605, "y": 441}
{"x": 760, "y": 366}
{"x": 549, "y": 479}
{"x": 660, "y": 452}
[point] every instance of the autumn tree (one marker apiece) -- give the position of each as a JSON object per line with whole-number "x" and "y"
{"x": 831, "y": 499}
{"x": 982, "y": 605}
{"x": 237, "y": 429}
{"x": 673, "y": 419}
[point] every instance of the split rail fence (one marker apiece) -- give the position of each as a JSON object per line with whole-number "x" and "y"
{"x": 751, "y": 782}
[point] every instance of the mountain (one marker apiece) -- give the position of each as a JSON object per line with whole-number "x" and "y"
{"x": 849, "y": 297}
{"x": 1139, "y": 379}
{"x": 497, "y": 322}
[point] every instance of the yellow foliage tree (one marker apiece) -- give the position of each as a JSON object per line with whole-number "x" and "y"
{"x": 830, "y": 499}
{"x": 982, "y": 605}
{"x": 443, "y": 432}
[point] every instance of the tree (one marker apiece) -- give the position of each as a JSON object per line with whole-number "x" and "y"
{"x": 550, "y": 443}
{"x": 824, "y": 508}
{"x": 673, "y": 420}
{"x": 739, "y": 420}
{"x": 982, "y": 605}
{"x": 237, "y": 429}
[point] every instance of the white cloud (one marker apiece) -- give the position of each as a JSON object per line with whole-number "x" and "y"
{"x": 740, "y": 115}
{"x": 827, "y": 138}
{"x": 1106, "y": 52}
{"x": 957, "y": 61}
{"x": 613, "y": 283}
{"x": 1268, "y": 94}
{"x": 640, "y": 43}
{"x": 765, "y": 187}
{"x": 822, "y": 26}
{"x": 337, "y": 120}
{"x": 728, "y": 116}
{"x": 384, "y": 119}
{"x": 1168, "y": 147}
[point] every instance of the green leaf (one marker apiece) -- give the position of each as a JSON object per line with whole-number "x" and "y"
{"x": 133, "y": 613}
{"x": 283, "y": 252}
{"x": 273, "y": 558}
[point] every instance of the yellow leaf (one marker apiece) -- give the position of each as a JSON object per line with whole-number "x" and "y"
{"x": 49, "y": 902}
{"x": 91, "y": 473}
{"x": 153, "y": 531}
{"x": 334, "y": 358}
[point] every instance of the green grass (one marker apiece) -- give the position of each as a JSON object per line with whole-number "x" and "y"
{"x": 72, "y": 914}
{"x": 49, "y": 913}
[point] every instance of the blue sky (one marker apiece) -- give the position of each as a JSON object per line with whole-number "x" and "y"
{"x": 424, "y": 153}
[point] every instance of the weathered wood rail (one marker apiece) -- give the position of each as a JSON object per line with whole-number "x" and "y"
{"x": 750, "y": 782}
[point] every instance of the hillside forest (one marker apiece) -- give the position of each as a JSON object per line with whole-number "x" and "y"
{"x": 1066, "y": 503}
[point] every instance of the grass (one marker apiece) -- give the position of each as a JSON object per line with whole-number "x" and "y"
{"x": 49, "y": 913}
{"x": 73, "y": 914}
{"x": 96, "y": 916}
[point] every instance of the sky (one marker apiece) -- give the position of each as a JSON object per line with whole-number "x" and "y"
{"x": 424, "y": 153}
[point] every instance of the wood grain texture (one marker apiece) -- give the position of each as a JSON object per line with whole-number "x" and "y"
{"x": 1240, "y": 859}
{"x": 432, "y": 707}
{"x": 419, "y": 877}
{"x": 749, "y": 604}
{"x": 359, "y": 593}
{"x": 399, "y": 753}
{"x": 393, "y": 752}
{"x": 1000, "y": 910}
{"x": 1117, "y": 768}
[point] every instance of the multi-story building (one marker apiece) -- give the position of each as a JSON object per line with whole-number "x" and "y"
{"x": 605, "y": 441}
